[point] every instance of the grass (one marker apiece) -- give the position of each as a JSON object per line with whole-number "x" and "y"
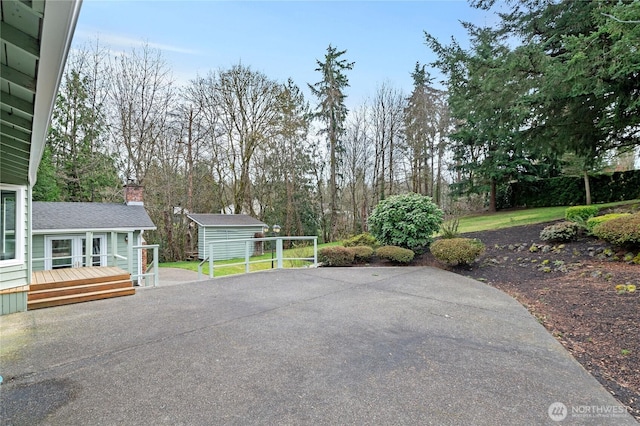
{"x": 257, "y": 263}
{"x": 506, "y": 219}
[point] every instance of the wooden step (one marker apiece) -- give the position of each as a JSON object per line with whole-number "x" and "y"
{"x": 61, "y": 278}
{"x": 80, "y": 297}
{"x": 46, "y": 293}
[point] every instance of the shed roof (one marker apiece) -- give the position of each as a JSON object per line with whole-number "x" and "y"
{"x": 62, "y": 216}
{"x": 225, "y": 220}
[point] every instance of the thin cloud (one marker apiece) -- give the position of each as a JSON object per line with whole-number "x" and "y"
{"x": 127, "y": 41}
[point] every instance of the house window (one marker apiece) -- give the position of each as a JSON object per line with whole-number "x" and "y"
{"x": 11, "y": 242}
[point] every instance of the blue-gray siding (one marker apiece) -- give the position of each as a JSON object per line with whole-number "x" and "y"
{"x": 223, "y": 251}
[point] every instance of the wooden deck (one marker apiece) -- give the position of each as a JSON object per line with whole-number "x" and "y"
{"x": 74, "y": 285}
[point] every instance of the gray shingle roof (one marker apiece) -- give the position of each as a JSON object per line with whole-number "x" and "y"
{"x": 224, "y": 220}
{"x": 57, "y": 216}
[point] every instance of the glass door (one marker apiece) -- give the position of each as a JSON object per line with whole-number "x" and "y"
{"x": 69, "y": 251}
{"x": 98, "y": 257}
{"x": 62, "y": 253}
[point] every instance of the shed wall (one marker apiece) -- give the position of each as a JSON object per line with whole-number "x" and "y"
{"x": 224, "y": 251}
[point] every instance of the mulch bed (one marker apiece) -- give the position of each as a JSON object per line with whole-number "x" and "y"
{"x": 571, "y": 289}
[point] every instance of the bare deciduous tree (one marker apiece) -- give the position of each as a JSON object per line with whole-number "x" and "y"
{"x": 142, "y": 92}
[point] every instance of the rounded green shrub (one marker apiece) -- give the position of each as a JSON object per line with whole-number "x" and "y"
{"x": 561, "y": 231}
{"x": 597, "y": 220}
{"x": 395, "y": 254}
{"x": 580, "y": 214}
{"x": 336, "y": 256}
{"x": 623, "y": 231}
{"x": 407, "y": 220}
{"x": 364, "y": 239}
{"x": 361, "y": 253}
{"x": 457, "y": 251}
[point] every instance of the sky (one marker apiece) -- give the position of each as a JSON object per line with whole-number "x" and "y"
{"x": 282, "y": 39}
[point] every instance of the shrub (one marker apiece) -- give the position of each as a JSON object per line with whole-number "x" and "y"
{"x": 457, "y": 251}
{"x": 580, "y": 214}
{"x": 364, "y": 239}
{"x": 449, "y": 229}
{"x": 561, "y": 231}
{"x": 596, "y": 220}
{"x": 623, "y": 231}
{"x": 336, "y": 256}
{"x": 361, "y": 253}
{"x": 408, "y": 221}
{"x": 395, "y": 254}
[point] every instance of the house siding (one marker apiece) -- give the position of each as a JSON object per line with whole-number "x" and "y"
{"x": 226, "y": 251}
{"x": 39, "y": 250}
{"x": 15, "y": 278}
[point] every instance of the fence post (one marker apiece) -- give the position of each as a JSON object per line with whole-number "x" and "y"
{"x": 156, "y": 271}
{"x": 211, "y": 259}
{"x": 279, "y": 253}
{"x": 246, "y": 256}
{"x": 315, "y": 252}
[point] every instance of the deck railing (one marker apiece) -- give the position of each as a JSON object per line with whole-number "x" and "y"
{"x": 111, "y": 258}
{"x": 249, "y": 243}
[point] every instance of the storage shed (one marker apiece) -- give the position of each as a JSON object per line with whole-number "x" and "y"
{"x": 216, "y": 227}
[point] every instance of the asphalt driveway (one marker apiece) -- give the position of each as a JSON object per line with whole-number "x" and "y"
{"x": 307, "y": 346}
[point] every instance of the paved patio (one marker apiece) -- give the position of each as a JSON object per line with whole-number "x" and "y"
{"x": 308, "y": 346}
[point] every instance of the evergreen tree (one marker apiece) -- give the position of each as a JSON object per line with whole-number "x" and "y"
{"x": 483, "y": 98}
{"x": 332, "y": 112}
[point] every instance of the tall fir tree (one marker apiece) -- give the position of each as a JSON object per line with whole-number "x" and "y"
{"x": 331, "y": 110}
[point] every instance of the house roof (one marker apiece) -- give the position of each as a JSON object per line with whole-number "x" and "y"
{"x": 225, "y": 220}
{"x": 35, "y": 40}
{"x": 61, "y": 216}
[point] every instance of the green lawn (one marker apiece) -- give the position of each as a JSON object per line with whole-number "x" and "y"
{"x": 505, "y": 219}
{"x": 257, "y": 263}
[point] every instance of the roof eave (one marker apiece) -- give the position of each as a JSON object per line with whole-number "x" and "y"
{"x": 78, "y": 230}
{"x": 58, "y": 26}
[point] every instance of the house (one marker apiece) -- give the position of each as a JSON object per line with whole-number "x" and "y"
{"x": 35, "y": 40}
{"x": 60, "y": 231}
{"x": 217, "y": 227}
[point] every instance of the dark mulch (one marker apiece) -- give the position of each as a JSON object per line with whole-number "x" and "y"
{"x": 571, "y": 289}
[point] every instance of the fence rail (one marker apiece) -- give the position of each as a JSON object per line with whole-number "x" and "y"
{"x": 249, "y": 242}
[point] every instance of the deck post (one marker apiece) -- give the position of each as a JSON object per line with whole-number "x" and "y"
{"x": 130, "y": 251}
{"x": 114, "y": 248}
{"x": 88, "y": 249}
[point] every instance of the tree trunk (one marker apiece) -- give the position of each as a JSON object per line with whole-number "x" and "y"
{"x": 492, "y": 197}
{"x": 587, "y": 187}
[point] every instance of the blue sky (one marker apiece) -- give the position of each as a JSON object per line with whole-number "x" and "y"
{"x": 284, "y": 38}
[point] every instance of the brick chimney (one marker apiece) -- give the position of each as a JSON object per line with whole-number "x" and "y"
{"x": 133, "y": 194}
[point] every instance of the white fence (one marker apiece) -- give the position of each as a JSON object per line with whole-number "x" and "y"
{"x": 278, "y": 260}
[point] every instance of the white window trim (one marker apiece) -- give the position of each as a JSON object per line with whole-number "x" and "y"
{"x": 21, "y": 226}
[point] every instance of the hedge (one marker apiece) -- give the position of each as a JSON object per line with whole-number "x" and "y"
{"x": 569, "y": 190}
